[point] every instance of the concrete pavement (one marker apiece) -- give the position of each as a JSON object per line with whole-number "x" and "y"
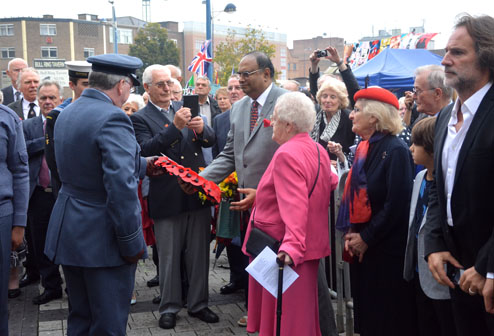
{"x": 50, "y": 319}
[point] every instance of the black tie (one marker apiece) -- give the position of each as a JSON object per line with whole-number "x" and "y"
{"x": 17, "y": 95}
{"x": 31, "y": 113}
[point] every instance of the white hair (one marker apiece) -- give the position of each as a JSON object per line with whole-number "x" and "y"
{"x": 136, "y": 98}
{"x": 297, "y": 108}
{"x": 176, "y": 82}
{"x": 176, "y": 68}
{"x": 26, "y": 70}
{"x": 147, "y": 76}
{"x": 15, "y": 60}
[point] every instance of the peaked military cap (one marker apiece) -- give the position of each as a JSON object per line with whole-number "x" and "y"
{"x": 117, "y": 64}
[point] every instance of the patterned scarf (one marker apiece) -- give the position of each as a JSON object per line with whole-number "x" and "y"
{"x": 329, "y": 129}
{"x": 355, "y": 205}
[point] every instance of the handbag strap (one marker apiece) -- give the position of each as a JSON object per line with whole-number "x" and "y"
{"x": 318, "y": 168}
{"x": 315, "y": 181}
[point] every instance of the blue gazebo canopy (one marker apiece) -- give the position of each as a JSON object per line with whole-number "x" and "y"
{"x": 394, "y": 68}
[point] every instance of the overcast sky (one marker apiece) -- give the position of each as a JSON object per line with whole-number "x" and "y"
{"x": 298, "y": 19}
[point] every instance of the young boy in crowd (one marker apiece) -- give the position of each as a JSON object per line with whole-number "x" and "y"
{"x": 433, "y": 307}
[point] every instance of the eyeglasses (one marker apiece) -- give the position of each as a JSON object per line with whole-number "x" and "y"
{"x": 246, "y": 74}
{"x": 132, "y": 88}
{"x": 161, "y": 85}
{"x": 418, "y": 92}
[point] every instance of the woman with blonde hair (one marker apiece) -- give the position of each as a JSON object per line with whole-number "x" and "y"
{"x": 374, "y": 214}
{"x": 333, "y": 128}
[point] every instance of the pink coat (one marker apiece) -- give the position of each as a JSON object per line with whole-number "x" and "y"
{"x": 283, "y": 209}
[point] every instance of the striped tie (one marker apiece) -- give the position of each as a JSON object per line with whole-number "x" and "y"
{"x": 253, "y": 115}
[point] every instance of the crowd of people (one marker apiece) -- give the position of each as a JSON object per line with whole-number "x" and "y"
{"x": 79, "y": 188}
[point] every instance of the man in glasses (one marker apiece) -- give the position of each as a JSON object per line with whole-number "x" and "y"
{"x": 181, "y": 222}
{"x": 249, "y": 147}
{"x": 429, "y": 92}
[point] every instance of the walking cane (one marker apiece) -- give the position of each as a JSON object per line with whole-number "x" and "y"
{"x": 281, "y": 264}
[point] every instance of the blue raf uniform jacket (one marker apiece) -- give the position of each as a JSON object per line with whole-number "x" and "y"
{"x": 96, "y": 219}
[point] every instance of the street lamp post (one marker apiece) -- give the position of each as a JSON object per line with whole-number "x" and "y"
{"x": 115, "y": 31}
{"x": 229, "y": 8}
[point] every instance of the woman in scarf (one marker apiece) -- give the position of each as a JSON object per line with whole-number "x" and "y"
{"x": 374, "y": 213}
{"x": 333, "y": 128}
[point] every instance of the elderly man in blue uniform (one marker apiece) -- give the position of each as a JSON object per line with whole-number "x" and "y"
{"x": 95, "y": 228}
{"x": 14, "y": 194}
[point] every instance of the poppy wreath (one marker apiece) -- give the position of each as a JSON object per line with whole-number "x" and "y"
{"x": 208, "y": 188}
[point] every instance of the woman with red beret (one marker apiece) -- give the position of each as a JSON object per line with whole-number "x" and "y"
{"x": 374, "y": 215}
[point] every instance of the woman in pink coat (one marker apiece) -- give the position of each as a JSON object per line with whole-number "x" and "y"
{"x": 284, "y": 210}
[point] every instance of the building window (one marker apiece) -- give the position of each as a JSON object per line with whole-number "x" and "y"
{"x": 198, "y": 45}
{"x": 125, "y": 36}
{"x": 282, "y": 52}
{"x": 288, "y": 68}
{"x": 6, "y": 30}
{"x": 48, "y": 29}
{"x": 88, "y": 52}
{"x": 8, "y": 52}
{"x": 294, "y": 67}
{"x": 49, "y": 52}
{"x": 174, "y": 41}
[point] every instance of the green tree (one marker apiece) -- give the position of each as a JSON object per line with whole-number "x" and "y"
{"x": 152, "y": 46}
{"x": 228, "y": 54}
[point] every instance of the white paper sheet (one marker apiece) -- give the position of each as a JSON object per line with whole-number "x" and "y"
{"x": 265, "y": 270}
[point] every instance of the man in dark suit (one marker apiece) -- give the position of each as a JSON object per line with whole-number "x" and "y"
{"x": 11, "y": 93}
{"x": 459, "y": 227}
{"x": 182, "y": 223}
{"x": 95, "y": 228}
{"x": 27, "y": 106}
{"x": 40, "y": 192}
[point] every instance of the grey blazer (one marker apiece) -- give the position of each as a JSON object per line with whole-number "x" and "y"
{"x": 429, "y": 285}
{"x": 247, "y": 153}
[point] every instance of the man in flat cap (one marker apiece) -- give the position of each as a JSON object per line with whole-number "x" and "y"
{"x": 95, "y": 228}
{"x": 78, "y": 81}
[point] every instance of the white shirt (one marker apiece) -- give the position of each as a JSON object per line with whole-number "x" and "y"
{"x": 25, "y": 108}
{"x": 454, "y": 141}
{"x": 14, "y": 90}
{"x": 261, "y": 100}
{"x": 205, "y": 110}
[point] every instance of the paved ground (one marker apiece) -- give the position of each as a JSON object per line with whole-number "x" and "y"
{"x": 26, "y": 319}
{"x": 50, "y": 319}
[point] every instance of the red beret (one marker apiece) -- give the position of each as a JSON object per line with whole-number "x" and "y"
{"x": 379, "y": 94}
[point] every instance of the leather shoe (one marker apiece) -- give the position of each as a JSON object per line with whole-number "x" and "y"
{"x": 154, "y": 282}
{"x": 27, "y": 280}
{"x": 229, "y": 288}
{"x": 13, "y": 293}
{"x": 157, "y": 300}
{"x": 168, "y": 321}
{"x": 47, "y": 296}
{"x": 206, "y": 315}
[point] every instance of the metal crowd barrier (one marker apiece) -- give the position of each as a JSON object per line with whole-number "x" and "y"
{"x": 337, "y": 270}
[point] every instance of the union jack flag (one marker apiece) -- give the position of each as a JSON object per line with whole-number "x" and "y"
{"x": 202, "y": 60}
